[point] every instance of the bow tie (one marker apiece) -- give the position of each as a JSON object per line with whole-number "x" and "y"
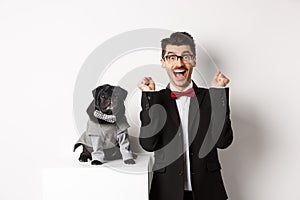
{"x": 190, "y": 93}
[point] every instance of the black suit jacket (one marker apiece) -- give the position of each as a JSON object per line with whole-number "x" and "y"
{"x": 161, "y": 133}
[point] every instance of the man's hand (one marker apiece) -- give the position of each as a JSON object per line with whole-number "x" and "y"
{"x": 219, "y": 80}
{"x": 147, "y": 84}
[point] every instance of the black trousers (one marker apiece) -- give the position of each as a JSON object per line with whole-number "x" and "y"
{"x": 188, "y": 195}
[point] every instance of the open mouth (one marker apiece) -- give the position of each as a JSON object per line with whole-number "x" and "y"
{"x": 179, "y": 74}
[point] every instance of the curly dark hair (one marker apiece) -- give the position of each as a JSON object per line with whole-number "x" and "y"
{"x": 178, "y": 38}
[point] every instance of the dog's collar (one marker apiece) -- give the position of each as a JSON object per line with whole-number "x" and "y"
{"x": 108, "y": 118}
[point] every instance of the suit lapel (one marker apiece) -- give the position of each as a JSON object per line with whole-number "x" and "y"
{"x": 194, "y": 112}
{"x": 173, "y": 110}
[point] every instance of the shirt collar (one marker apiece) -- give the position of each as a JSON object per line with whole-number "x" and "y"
{"x": 173, "y": 88}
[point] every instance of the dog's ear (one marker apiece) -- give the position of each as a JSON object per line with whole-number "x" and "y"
{"x": 120, "y": 92}
{"x": 97, "y": 90}
{"x": 94, "y": 92}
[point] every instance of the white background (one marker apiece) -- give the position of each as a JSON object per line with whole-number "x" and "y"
{"x": 255, "y": 43}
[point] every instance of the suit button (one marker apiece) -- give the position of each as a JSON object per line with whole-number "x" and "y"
{"x": 180, "y": 173}
{"x": 223, "y": 101}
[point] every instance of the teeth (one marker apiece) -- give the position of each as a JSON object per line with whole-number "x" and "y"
{"x": 179, "y": 71}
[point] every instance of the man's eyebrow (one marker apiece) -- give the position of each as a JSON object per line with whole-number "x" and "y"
{"x": 170, "y": 52}
{"x": 186, "y": 52}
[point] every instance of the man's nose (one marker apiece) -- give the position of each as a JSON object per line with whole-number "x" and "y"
{"x": 178, "y": 62}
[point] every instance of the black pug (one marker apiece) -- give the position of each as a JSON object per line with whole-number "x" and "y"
{"x": 106, "y": 136}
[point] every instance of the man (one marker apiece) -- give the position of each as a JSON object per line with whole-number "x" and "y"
{"x": 176, "y": 124}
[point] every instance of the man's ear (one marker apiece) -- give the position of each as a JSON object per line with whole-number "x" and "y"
{"x": 194, "y": 61}
{"x": 163, "y": 63}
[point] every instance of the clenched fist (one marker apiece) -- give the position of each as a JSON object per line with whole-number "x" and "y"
{"x": 147, "y": 84}
{"x": 219, "y": 80}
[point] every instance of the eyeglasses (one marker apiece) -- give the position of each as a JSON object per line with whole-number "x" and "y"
{"x": 174, "y": 58}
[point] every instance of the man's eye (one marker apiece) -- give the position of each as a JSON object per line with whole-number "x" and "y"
{"x": 172, "y": 57}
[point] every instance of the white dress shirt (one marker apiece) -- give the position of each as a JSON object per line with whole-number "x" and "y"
{"x": 183, "y": 104}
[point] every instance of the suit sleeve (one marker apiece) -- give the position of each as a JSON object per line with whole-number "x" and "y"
{"x": 151, "y": 122}
{"x": 226, "y": 136}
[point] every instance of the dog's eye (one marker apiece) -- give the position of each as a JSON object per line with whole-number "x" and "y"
{"x": 102, "y": 96}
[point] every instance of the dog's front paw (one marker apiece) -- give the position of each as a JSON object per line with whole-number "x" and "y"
{"x": 96, "y": 162}
{"x": 129, "y": 162}
{"x": 134, "y": 156}
{"x": 85, "y": 157}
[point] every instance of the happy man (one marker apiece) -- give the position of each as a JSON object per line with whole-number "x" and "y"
{"x": 176, "y": 135}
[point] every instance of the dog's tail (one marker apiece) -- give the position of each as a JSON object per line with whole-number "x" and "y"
{"x": 76, "y": 146}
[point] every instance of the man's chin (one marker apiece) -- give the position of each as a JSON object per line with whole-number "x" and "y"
{"x": 182, "y": 84}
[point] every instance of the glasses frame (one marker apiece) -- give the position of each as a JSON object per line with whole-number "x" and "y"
{"x": 181, "y": 58}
